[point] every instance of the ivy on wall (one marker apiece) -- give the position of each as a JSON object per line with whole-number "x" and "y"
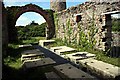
{"x": 56, "y": 23}
{"x": 84, "y": 41}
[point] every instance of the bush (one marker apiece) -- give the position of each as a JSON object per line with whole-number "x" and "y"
{"x": 116, "y": 25}
{"x": 31, "y": 30}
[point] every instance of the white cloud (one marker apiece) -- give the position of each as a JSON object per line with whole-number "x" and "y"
{"x": 36, "y": 14}
{"x": 40, "y": 20}
{"x": 28, "y": 17}
{"x": 116, "y": 15}
{"x": 22, "y": 20}
{"x": 9, "y": 4}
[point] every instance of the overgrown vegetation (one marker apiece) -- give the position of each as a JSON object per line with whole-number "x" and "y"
{"x": 86, "y": 42}
{"x": 33, "y": 40}
{"x": 29, "y": 34}
{"x": 50, "y": 12}
{"x": 31, "y": 30}
{"x": 100, "y": 55}
{"x": 12, "y": 65}
{"x": 115, "y": 25}
{"x": 56, "y": 23}
{"x": 12, "y": 59}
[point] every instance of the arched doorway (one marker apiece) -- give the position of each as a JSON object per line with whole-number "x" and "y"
{"x": 18, "y": 11}
{"x": 30, "y": 25}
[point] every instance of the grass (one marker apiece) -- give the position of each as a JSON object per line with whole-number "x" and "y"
{"x": 33, "y": 40}
{"x": 12, "y": 68}
{"x": 12, "y": 59}
{"x": 13, "y": 62}
{"x": 100, "y": 55}
{"x": 57, "y": 42}
{"x": 12, "y": 65}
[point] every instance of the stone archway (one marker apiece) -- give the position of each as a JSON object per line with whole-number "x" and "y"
{"x": 17, "y": 11}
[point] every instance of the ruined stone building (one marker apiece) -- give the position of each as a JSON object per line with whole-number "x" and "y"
{"x": 92, "y": 18}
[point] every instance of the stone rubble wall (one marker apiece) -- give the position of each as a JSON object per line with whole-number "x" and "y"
{"x": 115, "y": 44}
{"x": 4, "y": 31}
{"x": 57, "y": 5}
{"x": 115, "y": 39}
{"x": 99, "y": 1}
{"x": 88, "y": 11}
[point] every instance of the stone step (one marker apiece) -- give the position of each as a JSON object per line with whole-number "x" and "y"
{"x": 27, "y": 45}
{"x": 63, "y": 50}
{"x": 52, "y": 76}
{"x": 33, "y": 54}
{"x": 45, "y": 42}
{"x": 30, "y": 51}
{"x": 38, "y": 62}
{"x": 30, "y": 56}
{"x": 69, "y": 71}
{"x": 74, "y": 57}
{"x": 101, "y": 68}
{"x": 56, "y": 48}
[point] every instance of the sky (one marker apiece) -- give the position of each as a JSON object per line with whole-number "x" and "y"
{"x": 28, "y": 17}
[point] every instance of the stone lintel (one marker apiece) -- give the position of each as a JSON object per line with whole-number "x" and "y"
{"x": 109, "y": 13}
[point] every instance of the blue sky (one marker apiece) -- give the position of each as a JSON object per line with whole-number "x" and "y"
{"x": 28, "y": 17}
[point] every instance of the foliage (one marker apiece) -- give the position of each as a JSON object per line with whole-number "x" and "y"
{"x": 56, "y": 22}
{"x": 33, "y": 23}
{"x": 50, "y": 12}
{"x": 85, "y": 41}
{"x": 12, "y": 59}
{"x": 100, "y": 55}
{"x": 12, "y": 66}
{"x": 13, "y": 62}
{"x": 67, "y": 34}
{"x": 12, "y": 32}
{"x": 33, "y": 40}
{"x": 31, "y": 30}
{"x": 115, "y": 25}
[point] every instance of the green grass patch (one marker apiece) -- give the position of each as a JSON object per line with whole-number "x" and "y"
{"x": 12, "y": 65}
{"x": 12, "y": 58}
{"x": 100, "y": 55}
{"x": 57, "y": 42}
{"x": 13, "y": 62}
{"x": 33, "y": 40}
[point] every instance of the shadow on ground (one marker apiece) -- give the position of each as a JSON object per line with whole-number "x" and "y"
{"x": 20, "y": 74}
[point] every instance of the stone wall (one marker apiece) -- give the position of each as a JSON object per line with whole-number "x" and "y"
{"x": 115, "y": 39}
{"x": 57, "y": 5}
{"x": 100, "y": 1}
{"x": 14, "y": 12}
{"x": 86, "y": 21}
{"x": 12, "y": 30}
{"x": 115, "y": 44}
{"x": 4, "y": 30}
